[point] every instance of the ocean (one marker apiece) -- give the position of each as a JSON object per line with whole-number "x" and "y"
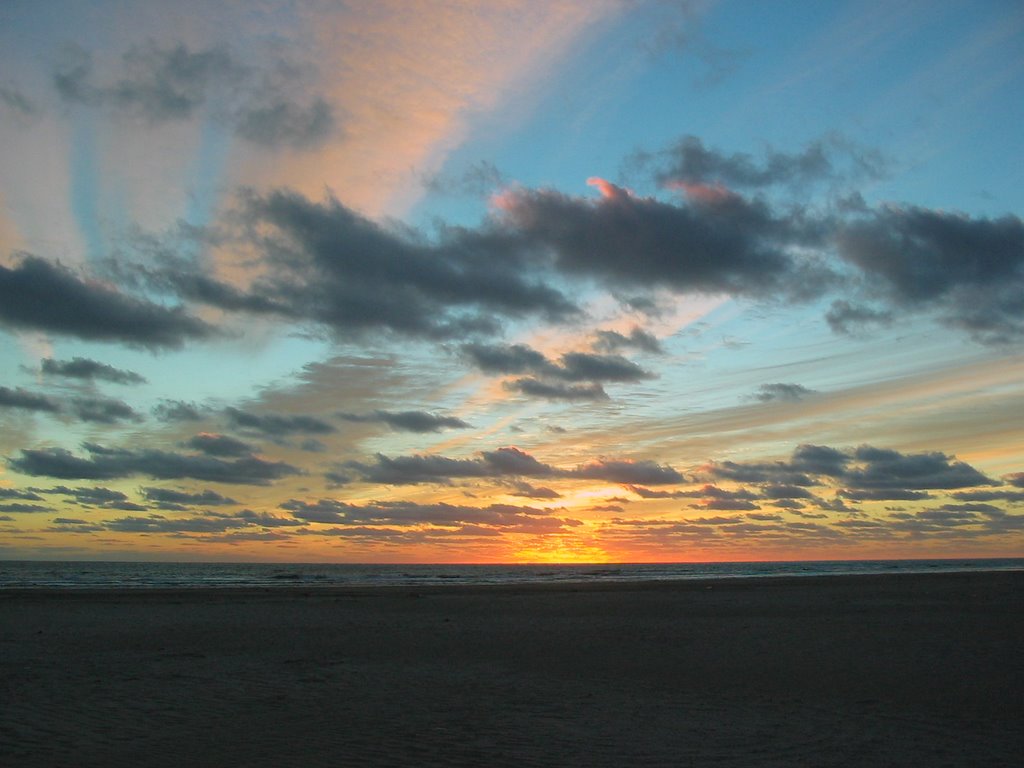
{"x": 143, "y": 575}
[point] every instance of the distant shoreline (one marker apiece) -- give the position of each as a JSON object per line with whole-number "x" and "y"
{"x": 683, "y": 585}
{"x": 92, "y": 575}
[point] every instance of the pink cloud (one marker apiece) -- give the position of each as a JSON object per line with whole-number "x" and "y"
{"x": 411, "y": 79}
{"x": 608, "y": 190}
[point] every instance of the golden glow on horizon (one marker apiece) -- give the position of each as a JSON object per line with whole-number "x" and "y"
{"x": 557, "y": 549}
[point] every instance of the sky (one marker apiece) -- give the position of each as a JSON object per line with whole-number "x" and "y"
{"x": 507, "y": 281}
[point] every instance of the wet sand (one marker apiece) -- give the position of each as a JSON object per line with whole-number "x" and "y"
{"x": 899, "y": 670}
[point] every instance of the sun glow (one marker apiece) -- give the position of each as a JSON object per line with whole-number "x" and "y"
{"x": 560, "y": 549}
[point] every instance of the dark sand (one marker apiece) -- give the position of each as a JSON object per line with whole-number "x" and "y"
{"x": 863, "y": 671}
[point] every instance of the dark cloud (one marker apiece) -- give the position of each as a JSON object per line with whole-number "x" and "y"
{"x": 556, "y": 391}
{"x": 278, "y": 425}
{"x": 584, "y": 366}
{"x": 790, "y": 393}
{"x": 158, "y": 84}
{"x": 709, "y": 492}
{"x": 863, "y": 474}
{"x": 337, "y": 479}
{"x": 1015, "y": 478}
{"x": 265, "y": 105}
{"x": 102, "y": 410}
{"x": 76, "y": 525}
{"x": 508, "y": 462}
{"x": 1010, "y": 496}
{"x": 322, "y": 511}
{"x": 408, "y": 513}
{"x": 647, "y": 305}
{"x": 648, "y": 493}
{"x": 407, "y": 470}
{"x": 168, "y": 498}
{"x": 627, "y": 472}
{"x": 852, "y": 319}
{"x": 109, "y": 463}
{"x": 831, "y": 158}
{"x": 968, "y": 270}
{"x": 987, "y": 509}
{"x": 99, "y": 410}
{"x": 24, "y": 400}
{"x": 160, "y": 524}
{"x": 882, "y": 468}
{"x": 639, "y": 339}
{"x": 20, "y": 508}
{"x": 776, "y": 491}
{"x": 719, "y": 520}
{"x": 765, "y": 517}
{"x": 166, "y": 271}
{"x": 506, "y": 358}
{"x": 178, "y": 410}
{"x": 105, "y": 498}
{"x": 1003, "y": 523}
{"x": 39, "y": 295}
{"x": 725, "y": 505}
{"x": 572, "y": 367}
{"x": 725, "y": 245}
{"x": 883, "y": 494}
{"x": 800, "y": 513}
{"x": 513, "y": 461}
{"x": 83, "y": 368}
{"x": 409, "y": 421}
{"x": 791, "y": 504}
{"x": 265, "y": 520}
{"x": 15, "y": 493}
{"x": 693, "y": 162}
{"x": 835, "y": 505}
{"x": 72, "y": 73}
{"x": 819, "y": 459}
{"x": 218, "y": 445}
{"x": 935, "y": 520}
{"x": 278, "y": 122}
{"x": 528, "y": 491}
{"x": 339, "y": 269}
{"x": 478, "y": 180}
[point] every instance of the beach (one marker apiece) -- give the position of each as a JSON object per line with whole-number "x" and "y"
{"x": 900, "y": 670}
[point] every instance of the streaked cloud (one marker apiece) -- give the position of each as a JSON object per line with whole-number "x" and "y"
{"x": 105, "y": 463}
{"x": 89, "y": 370}
{"x": 408, "y": 421}
{"x": 262, "y": 103}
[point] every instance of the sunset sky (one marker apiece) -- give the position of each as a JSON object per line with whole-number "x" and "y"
{"x": 594, "y": 280}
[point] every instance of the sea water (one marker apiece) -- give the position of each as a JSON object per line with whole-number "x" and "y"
{"x": 157, "y": 575}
